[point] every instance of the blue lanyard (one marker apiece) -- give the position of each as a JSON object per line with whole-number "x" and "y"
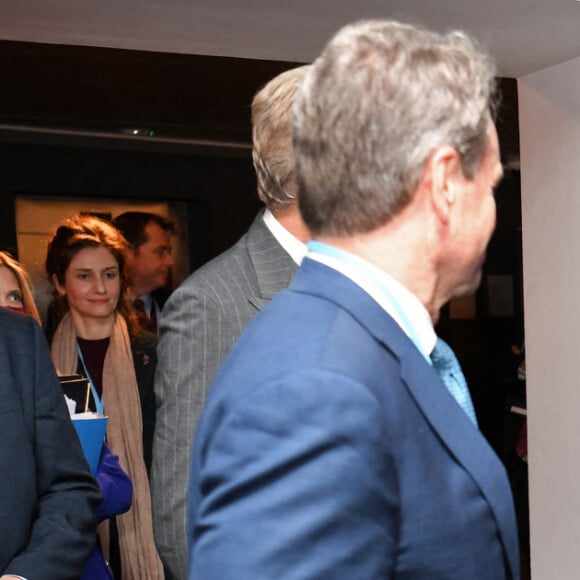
{"x": 98, "y": 402}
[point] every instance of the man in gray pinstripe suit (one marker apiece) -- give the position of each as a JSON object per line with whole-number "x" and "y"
{"x": 207, "y": 313}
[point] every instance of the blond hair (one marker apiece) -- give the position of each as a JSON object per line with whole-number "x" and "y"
{"x": 272, "y": 137}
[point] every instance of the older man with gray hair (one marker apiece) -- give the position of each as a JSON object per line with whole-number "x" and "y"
{"x": 339, "y": 439}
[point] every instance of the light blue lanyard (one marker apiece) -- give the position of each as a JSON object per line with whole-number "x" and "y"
{"x": 359, "y": 265}
{"x": 98, "y": 402}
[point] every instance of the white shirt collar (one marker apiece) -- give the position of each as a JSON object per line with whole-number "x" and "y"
{"x": 295, "y": 248}
{"x": 402, "y": 305}
{"x": 146, "y": 299}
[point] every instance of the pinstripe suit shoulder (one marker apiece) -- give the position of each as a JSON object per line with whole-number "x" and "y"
{"x": 199, "y": 324}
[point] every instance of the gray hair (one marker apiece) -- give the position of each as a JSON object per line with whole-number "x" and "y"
{"x": 272, "y": 137}
{"x": 375, "y": 105}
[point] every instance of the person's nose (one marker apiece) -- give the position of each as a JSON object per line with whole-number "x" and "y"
{"x": 100, "y": 287}
{"x": 169, "y": 259}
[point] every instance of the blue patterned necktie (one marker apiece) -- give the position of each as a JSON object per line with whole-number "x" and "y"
{"x": 447, "y": 366}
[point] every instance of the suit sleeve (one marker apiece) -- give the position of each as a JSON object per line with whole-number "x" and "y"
{"x": 64, "y": 531}
{"x": 295, "y": 481}
{"x": 195, "y": 336}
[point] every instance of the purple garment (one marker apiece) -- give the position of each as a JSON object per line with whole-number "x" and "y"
{"x": 117, "y": 491}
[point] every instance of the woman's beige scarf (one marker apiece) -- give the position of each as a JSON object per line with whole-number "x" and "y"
{"x": 139, "y": 558}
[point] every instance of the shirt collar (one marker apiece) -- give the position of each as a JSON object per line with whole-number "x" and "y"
{"x": 291, "y": 244}
{"x": 401, "y": 304}
{"x": 147, "y": 300}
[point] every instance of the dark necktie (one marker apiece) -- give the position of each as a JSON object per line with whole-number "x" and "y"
{"x": 447, "y": 366}
{"x": 146, "y": 322}
{"x": 153, "y": 318}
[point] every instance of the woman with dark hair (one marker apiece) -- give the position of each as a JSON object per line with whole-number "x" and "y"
{"x": 96, "y": 336}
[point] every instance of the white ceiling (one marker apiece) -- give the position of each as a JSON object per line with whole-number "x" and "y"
{"x": 523, "y": 35}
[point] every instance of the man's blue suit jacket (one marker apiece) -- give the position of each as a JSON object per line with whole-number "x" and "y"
{"x": 329, "y": 448}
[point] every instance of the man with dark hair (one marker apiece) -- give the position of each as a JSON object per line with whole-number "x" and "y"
{"x": 207, "y": 313}
{"x": 339, "y": 438}
{"x": 149, "y": 262}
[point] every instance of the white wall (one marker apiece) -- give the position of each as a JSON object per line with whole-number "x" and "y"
{"x": 522, "y": 35}
{"x": 549, "y": 108}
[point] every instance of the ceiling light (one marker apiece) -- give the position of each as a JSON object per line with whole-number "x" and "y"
{"x": 137, "y": 132}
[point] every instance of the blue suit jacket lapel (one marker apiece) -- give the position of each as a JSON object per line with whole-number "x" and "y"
{"x": 449, "y": 421}
{"x": 463, "y": 441}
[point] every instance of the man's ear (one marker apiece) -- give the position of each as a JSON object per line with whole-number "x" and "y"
{"x": 59, "y": 287}
{"x": 445, "y": 170}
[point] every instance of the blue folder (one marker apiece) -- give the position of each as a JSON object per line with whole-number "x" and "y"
{"x": 91, "y": 429}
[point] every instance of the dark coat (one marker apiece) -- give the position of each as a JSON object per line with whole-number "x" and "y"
{"x": 47, "y": 495}
{"x": 144, "y": 347}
